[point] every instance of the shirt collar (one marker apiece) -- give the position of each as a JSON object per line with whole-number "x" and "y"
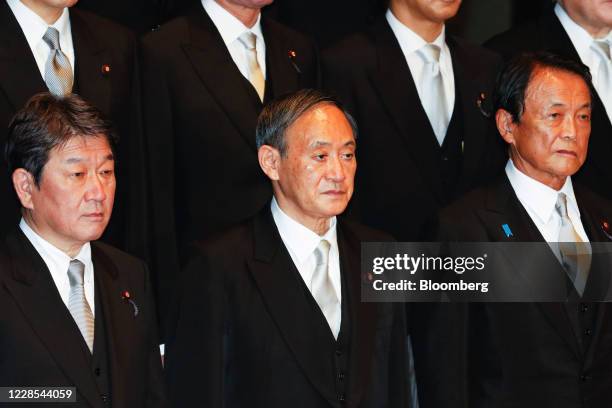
{"x": 228, "y": 25}
{"x": 580, "y": 37}
{"x": 46, "y": 249}
{"x": 300, "y": 240}
{"x": 409, "y": 40}
{"x": 539, "y": 197}
{"x": 34, "y": 27}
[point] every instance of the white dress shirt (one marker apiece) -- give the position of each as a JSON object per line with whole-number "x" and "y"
{"x": 34, "y": 28}
{"x": 58, "y": 263}
{"x": 539, "y": 201}
{"x": 301, "y": 243}
{"x": 410, "y": 42}
{"x": 230, "y": 29}
{"x": 582, "y": 40}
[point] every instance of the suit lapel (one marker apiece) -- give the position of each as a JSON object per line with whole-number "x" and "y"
{"x": 468, "y": 85}
{"x": 35, "y": 292}
{"x": 90, "y": 58}
{"x": 398, "y": 94}
{"x": 119, "y": 321}
{"x": 214, "y": 66}
{"x": 503, "y": 207}
{"x": 287, "y": 302}
{"x": 362, "y": 314}
{"x": 19, "y": 74}
{"x": 281, "y": 76}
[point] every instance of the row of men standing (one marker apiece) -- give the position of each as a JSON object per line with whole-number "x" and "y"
{"x": 189, "y": 168}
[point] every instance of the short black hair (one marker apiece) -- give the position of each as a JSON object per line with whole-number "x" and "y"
{"x": 515, "y": 76}
{"x": 48, "y": 121}
{"x": 277, "y": 116}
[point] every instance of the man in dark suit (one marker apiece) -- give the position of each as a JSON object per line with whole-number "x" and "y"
{"x": 270, "y": 315}
{"x": 73, "y": 312}
{"x": 538, "y": 354}
{"x": 101, "y": 66}
{"x": 576, "y": 29}
{"x": 419, "y": 148}
{"x": 205, "y": 76}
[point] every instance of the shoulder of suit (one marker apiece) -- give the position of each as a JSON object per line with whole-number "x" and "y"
{"x": 104, "y": 29}
{"x": 462, "y": 208}
{"x": 282, "y": 31}
{"x": 593, "y": 201}
{"x": 355, "y": 51}
{"x": 362, "y": 232}
{"x": 522, "y": 37}
{"x": 228, "y": 243}
{"x": 117, "y": 256}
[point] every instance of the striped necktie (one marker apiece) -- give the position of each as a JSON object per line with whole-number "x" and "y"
{"x": 77, "y": 303}
{"x": 58, "y": 73}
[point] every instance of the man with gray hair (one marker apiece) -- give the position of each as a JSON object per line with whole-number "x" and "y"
{"x": 270, "y": 313}
{"x": 580, "y": 30}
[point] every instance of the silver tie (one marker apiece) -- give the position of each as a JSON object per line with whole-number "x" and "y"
{"x": 323, "y": 290}
{"x": 433, "y": 97}
{"x": 604, "y": 74}
{"x": 77, "y": 303}
{"x": 58, "y": 73}
{"x": 256, "y": 77}
{"x": 575, "y": 253}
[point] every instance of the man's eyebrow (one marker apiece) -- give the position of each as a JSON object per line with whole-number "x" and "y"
{"x": 76, "y": 160}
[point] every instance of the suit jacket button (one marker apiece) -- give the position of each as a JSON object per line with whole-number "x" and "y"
{"x": 588, "y": 332}
{"x": 97, "y": 372}
{"x": 338, "y": 352}
{"x": 584, "y": 307}
{"x": 341, "y": 397}
{"x": 341, "y": 376}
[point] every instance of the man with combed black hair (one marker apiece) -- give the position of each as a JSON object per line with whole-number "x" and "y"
{"x": 74, "y": 312}
{"x": 270, "y": 313}
{"x": 539, "y": 354}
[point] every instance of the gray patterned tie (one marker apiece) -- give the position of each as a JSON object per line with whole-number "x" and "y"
{"x": 256, "y": 78}
{"x": 575, "y": 253}
{"x": 434, "y": 98}
{"x": 77, "y": 303}
{"x": 58, "y": 73}
{"x": 323, "y": 290}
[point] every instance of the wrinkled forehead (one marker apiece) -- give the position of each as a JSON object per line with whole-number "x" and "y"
{"x": 549, "y": 85}
{"x": 82, "y": 148}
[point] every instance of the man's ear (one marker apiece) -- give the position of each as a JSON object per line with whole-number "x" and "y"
{"x": 24, "y": 185}
{"x": 505, "y": 125}
{"x": 269, "y": 161}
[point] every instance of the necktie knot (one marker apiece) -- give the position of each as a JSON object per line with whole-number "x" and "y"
{"x": 602, "y": 48}
{"x": 249, "y": 40}
{"x": 322, "y": 252}
{"x": 430, "y": 53}
{"x": 561, "y": 206}
{"x": 76, "y": 272}
{"x": 51, "y": 37}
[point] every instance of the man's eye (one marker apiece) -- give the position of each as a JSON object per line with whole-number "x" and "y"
{"x": 554, "y": 115}
{"x": 320, "y": 157}
{"x": 107, "y": 172}
{"x": 348, "y": 156}
{"x": 78, "y": 174}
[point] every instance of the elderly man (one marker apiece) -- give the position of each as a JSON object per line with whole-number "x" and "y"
{"x": 271, "y": 315}
{"x": 206, "y": 76}
{"x": 580, "y": 30}
{"x": 548, "y": 354}
{"x": 73, "y": 312}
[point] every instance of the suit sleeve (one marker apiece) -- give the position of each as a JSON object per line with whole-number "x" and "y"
{"x": 195, "y": 354}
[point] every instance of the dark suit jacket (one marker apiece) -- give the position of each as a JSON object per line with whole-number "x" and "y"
{"x": 547, "y": 33}
{"x": 40, "y": 342}
{"x": 97, "y": 42}
{"x": 399, "y": 183}
{"x": 250, "y": 334}
{"x": 200, "y": 116}
{"x": 527, "y": 354}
